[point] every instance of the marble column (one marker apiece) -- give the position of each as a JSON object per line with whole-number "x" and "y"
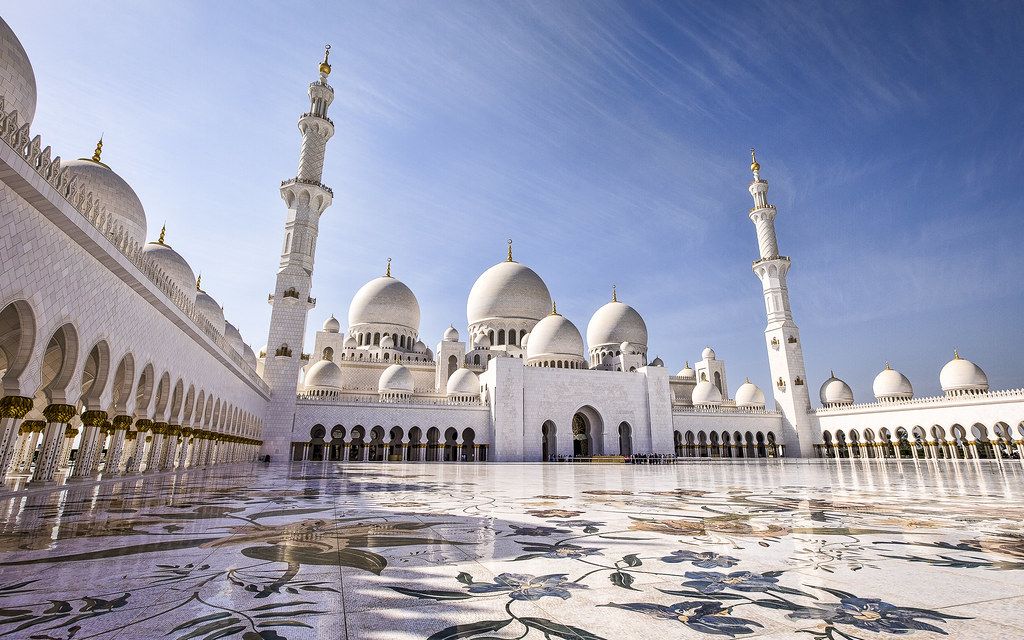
{"x": 57, "y": 417}
{"x": 184, "y": 439}
{"x": 88, "y": 445}
{"x": 13, "y": 410}
{"x": 138, "y": 456}
{"x": 170, "y": 453}
{"x": 156, "y": 448}
{"x": 32, "y": 430}
{"x": 121, "y": 424}
{"x": 101, "y": 441}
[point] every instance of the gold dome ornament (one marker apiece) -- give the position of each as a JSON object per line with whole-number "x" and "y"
{"x": 96, "y": 154}
{"x": 754, "y": 166}
{"x": 325, "y": 67}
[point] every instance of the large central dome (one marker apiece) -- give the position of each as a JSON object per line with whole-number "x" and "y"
{"x": 508, "y": 290}
{"x": 385, "y": 300}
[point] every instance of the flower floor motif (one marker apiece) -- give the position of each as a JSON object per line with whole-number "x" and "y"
{"x": 818, "y": 550}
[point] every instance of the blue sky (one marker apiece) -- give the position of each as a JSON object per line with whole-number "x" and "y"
{"x": 609, "y": 140}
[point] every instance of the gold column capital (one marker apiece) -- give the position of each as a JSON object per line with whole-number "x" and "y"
{"x": 143, "y": 424}
{"x": 94, "y": 418}
{"x": 15, "y": 407}
{"x": 121, "y": 422}
{"x": 60, "y": 413}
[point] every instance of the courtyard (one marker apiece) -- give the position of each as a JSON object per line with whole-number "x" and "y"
{"x": 825, "y": 549}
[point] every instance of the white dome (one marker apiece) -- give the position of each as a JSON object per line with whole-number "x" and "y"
{"x": 350, "y": 343}
{"x": 706, "y": 393}
{"x": 708, "y": 353}
{"x": 395, "y": 378}
{"x": 176, "y": 268}
{"x": 419, "y": 347}
{"x": 508, "y": 290}
{"x": 835, "y": 391}
{"x": 483, "y": 341}
{"x": 614, "y": 323}
{"x": 17, "y": 80}
{"x": 324, "y": 376}
{"x": 234, "y": 338}
{"x": 555, "y": 336}
{"x": 890, "y": 384}
{"x": 385, "y": 300}
{"x": 451, "y": 334}
{"x": 120, "y": 199}
{"x": 524, "y": 341}
{"x": 463, "y": 383}
{"x": 748, "y": 395}
{"x": 249, "y": 356}
{"x": 331, "y": 325}
{"x": 657, "y": 362}
{"x": 687, "y": 372}
{"x": 962, "y": 375}
{"x": 209, "y": 308}
{"x": 387, "y": 342}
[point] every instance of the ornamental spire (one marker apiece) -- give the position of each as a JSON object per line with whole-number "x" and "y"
{"x": 199, "y": 283}
{"x": 163, "y": 234}
{"x": 554, "y": 308}
{"x": 509, "y": 259}
{"x": 615, "y": 297}
{"x": 387, "y": 274}
{"x": 99, "y": 150}
{"x": 325, "y": 67}
{"x": 956, "y": 354}
{"x": 755, "y": 167}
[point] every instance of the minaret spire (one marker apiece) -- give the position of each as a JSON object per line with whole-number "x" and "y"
{"x": 782, "y": 337}
{"x": 306, "y": 198}
{"x": 387, "y": 273}
{"x": 509, "y": 258}
{"x": 615, "y": 297}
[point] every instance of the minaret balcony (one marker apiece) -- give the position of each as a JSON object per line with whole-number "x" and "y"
{"x": 310, "y": 114}
{"x": 767, "y": 206}
{"x": 771, "y": 259}
{"x": 310, "y": 183}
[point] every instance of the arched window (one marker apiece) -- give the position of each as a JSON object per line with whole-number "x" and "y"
{"x": 328, "y": 353}
{"x": 376, "y": 339}
{"x": 501, "y": 336}
{"x": 512, "y": 337}
{"x": 490, "y": 336}
{"x": 718, "y": 381}
{"x": 476, "y": 359}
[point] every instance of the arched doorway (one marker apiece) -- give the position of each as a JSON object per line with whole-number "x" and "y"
{"x": 376, "y": 453}
{"x": 316, "y": 443}
{"x": 395, "y": 445}
{"x": 450, "y": 444}
{"x": 625, "y": 440}
{"x": 433, "y": 436}
{"x": 337, "y": 449}
{"x": 468, "y": 445}
{"x": 549, "y": 441}
{"x": 587, "y": 433}
{"x": 413, "y": 452}
{"x": 355, "y": 448}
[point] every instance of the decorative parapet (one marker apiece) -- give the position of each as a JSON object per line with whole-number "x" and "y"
{"x": 313, "y": 183}
{"x": 16, "y": 136}
{"x": 930, "y": 401}
{"x": 723, "y": 410}
{"x": 337, "y": 397}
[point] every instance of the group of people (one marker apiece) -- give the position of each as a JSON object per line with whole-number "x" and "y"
{"x": 636, "y": 458}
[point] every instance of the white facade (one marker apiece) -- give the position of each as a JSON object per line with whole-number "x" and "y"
{"x": 107, "y": 350}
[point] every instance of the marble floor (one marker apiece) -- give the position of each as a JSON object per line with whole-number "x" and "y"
{"x": 819, "y": 550}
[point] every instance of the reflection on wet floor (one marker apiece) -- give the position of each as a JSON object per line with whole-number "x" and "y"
{"x": 784, "y": 549}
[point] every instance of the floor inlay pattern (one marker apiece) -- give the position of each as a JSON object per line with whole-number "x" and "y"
{"x": 823, "y": 550}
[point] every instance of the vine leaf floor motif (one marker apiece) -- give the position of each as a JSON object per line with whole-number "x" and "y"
{"x": 813, "y": 550}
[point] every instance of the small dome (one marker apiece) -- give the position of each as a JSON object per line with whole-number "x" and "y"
{"x": 234, "y": 338}
{"x": 749, "y": 395}
{"x": 706, "y": 393}
{"x": 209, "y": 308}
{"x": 555, "y": 336}
{"x": 419, "y": 347}
{"x": 385, "y": 300}
{"x": 387, "y": 342}
{"x": 463, "y": 383}
{"x": 172, "y": 264}
{"x": 962, "y": 375}
{"x": 524, "y": 341}
{"x": 17, "y": 80}
{"x": 350, "y": 343}
{"x": 657, "y": 362}
{"x": 508, "y": 290}
{"x": 120, "y": 199}
{"x": 262, "y": 352}
{"x": 687, "y": 372}
{"x": 890, "y": 384}
{"x": 835, "y": 392}
{"x": 708, "y": 353}
{"x": 395, "y": 379}
{"x": 249, "y": 356}
{"x": 451, "y": 334}
{"x": 614, "y": 323}
{"x": 483, "y": 341}
{"x": 324, "y": 376}
{"x": 331, "y": 325}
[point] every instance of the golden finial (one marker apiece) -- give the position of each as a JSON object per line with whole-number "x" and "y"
{"x": 199, "y": 283}
{"x": 554, "y": 308}
{"x": 754, "y": 166}
{"x": 687, "y": 365}
{"x": 163, "y": 234}
{"x": 99, "y": 150}
{"x": 956, "y": 354}
{"x": 325, "y": 68}
{"x": 887, "y": 366}
{"x": 387, "y": 274}
{"x": 746, "y": 380}
{"x": 615, "y": 297}
{"x": 509, "y": 259}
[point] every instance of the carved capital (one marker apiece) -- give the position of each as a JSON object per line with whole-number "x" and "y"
{"x": 15, "y": 407}
{"x": 29, "y": 426}
{"x": 121, "y": 422}
{"x": 144, "y": 424}
{"x": 131, "y": 435}
{"x": 160, "y": 427}
{"x": 93, "y": 418}
{"x": 70, "y": 432}
{"x": 61, "y": 413}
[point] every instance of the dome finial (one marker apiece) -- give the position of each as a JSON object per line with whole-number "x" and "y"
{"x": 163, "y": 234}
{"x": 325, "y": 67}
{"x": 746, "y": 380}
{"x": 509, "y": 259}
{"x": 99, "y": 150}
{"x": 199, "y": 282}
{"x": 832, "y": 373}
{"x": 754, "y": 166}
{"x": 956, "y": 354}
{"x": 554, "y": 308}
{"x": 615, "y": 297}
{"x": 387, "y": 274}
{"x": 888, "y": 366}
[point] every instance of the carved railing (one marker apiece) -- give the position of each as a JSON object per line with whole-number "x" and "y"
{"x": 16, "y": 135}
{"x": 966, "y": 399}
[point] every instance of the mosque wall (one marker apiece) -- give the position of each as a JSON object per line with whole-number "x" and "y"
{"x": 388, "y": 415}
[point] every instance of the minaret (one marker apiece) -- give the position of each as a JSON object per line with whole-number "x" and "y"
{"x": 306, "y": 198}
{"x": 782, "y": 337}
